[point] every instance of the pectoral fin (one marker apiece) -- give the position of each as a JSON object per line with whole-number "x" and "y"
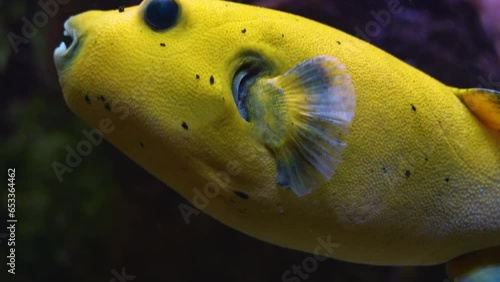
{"x": 304, "y": 116}
{"x": 484, "y": 103}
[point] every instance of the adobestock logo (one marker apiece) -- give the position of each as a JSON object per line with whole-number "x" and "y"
{"x": 219, "y": 181}
{"x": 40, "y": 19}
{"x": 93, "y": 138}
{"x": 488, "y": 82}
{"x": 121, "y": 276}
{"x": 310, "y": 264}
{"x": 382, "y": 19}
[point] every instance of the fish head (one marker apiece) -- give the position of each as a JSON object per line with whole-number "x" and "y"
{"x": 158, "y": 80}
{"x": 201, "y": 92}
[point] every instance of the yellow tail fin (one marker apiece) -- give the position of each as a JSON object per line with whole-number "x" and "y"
{"x": 484, "y": 103}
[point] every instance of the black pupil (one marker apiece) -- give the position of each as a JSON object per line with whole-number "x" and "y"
{"x": 161, "y": 14}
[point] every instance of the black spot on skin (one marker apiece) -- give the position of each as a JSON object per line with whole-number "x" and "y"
{"x": 447, "y": 179}
{"x": 384, "y": 169}
{"x": 185, "y": 126}
{"x": 242, "y": 195}
{"x": 407, "y": 173}
{"x": 87, "y": 99}
{"x": 163, "y": 44}
{"x": 212, "y": 80}
{"x": 244, "y": 31}
{"x": 107, "y": 107}
{"x": 426, "y": 159}
{"x": 102, "y": 98}
{"x": 338, "y": 42}
{"x": 121, "y": 9}
{"x": 282, "y": 35}
{"x": 197, "y": 76}
{"x": 413, "y": 108}
{"x": 142, "y": 145}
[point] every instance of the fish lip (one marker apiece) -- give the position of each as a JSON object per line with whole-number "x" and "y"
{"x": 63, "y": 53}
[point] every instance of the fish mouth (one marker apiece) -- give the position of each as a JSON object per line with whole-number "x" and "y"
{"x": 63, "y": 53}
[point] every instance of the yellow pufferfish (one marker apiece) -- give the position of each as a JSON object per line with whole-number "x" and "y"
{"x": 294, "y": 132}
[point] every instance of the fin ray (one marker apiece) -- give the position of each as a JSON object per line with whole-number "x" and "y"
{"x": 303, "y": 116}
{"x": 484, "y": 103}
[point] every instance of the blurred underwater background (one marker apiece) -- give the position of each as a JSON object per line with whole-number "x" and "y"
{"x": 109, "y": 216}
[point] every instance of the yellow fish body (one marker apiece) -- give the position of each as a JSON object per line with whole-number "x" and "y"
{"x": 291, "y": 131}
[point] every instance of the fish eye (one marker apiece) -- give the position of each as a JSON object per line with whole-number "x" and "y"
{"x": 161, "y": 14}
